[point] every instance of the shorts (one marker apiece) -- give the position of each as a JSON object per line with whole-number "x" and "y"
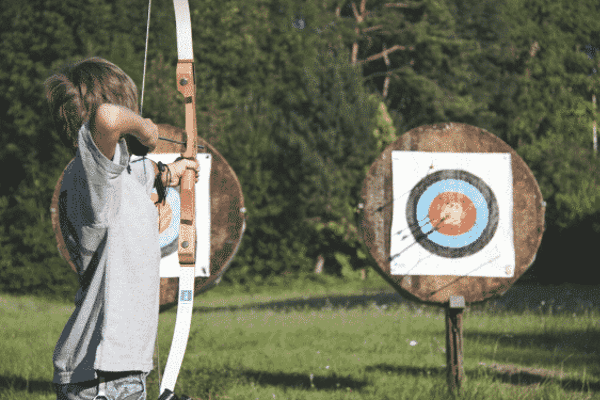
{"x": 127, "y": 385}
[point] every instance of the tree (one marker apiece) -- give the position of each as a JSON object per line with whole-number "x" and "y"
{"x": 552, "y": 125}
{"x": 303, "y": 164}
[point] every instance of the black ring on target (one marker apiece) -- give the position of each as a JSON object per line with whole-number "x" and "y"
{"x": 422, "y": 237}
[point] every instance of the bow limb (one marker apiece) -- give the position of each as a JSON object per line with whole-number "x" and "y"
{"x": 187, "y": 230}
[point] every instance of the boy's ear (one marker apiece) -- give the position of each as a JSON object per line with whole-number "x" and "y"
{"x": 134, "y": 146}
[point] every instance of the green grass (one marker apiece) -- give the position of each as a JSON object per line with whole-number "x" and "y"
{"x": 284, "y": 340}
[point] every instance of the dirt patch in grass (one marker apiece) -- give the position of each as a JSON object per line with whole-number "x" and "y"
{"x": 533, "y": 376}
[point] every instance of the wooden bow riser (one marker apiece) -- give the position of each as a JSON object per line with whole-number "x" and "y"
{"x": 187, "y": 230}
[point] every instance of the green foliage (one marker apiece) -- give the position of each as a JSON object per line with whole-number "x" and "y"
{"x": 567, "y": 175}
{"x": 557, "y": 84}
{"x": 300, "y": 163}
{"x": 268, "y": 246}
{"x": 433, "y": 76}
{"x": 332, "y": 143}
{"x": 278, "y": 98}
{"x": 552, "y": 128}
{"x": 384, "y": 131}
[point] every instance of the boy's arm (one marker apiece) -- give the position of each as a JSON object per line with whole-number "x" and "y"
{"x": 112, "y": 122}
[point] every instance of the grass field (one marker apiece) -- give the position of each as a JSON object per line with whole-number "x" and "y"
{"x": 331, "y": 339}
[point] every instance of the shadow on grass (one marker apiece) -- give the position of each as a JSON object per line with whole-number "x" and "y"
{"x": 318, "y": 303}
{"x": 579, "y": 342}
{"x": 302, "y": 381}
{"x": 518, "y": 298}
{"x": 506, "y": 373}
{"x": 30, "y": 386}
{"x": 408, "y": 370}
{"x": 532, "y": 376}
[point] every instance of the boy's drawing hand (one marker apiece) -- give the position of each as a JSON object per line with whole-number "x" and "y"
{"x": 177, "y": 169}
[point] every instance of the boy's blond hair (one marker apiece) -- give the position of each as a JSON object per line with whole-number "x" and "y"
{"x": 76, "y": 91}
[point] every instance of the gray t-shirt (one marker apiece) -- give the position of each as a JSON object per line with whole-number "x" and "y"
{"x": 110, "y": 227}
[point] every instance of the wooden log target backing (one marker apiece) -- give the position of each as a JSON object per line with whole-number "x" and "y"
{"x": 227, "y": 216}
{"x": 448, "y": 216}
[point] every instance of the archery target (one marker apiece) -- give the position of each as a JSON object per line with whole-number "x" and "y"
{"x": 169, "y": 220}
{"x": 452, "y": 214}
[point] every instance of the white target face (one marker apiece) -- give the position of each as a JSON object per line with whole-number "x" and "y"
{"x": 452, "y": 214}
{"x": 169, "y": 220}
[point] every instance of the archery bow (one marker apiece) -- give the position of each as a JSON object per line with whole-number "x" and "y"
{"x": 187, "y": 230}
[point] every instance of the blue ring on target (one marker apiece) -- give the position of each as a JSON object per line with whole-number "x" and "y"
{"x": 169, "y": 238}
{"x": 468, "y": 243}
{"x": 458, "y": 186}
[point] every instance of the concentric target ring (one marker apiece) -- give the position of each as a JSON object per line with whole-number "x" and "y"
{"x": 480, "y": 213}
{"x": 169, "y": 216}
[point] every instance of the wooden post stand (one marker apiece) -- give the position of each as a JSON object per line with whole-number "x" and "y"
{"x": 454, "y": 342}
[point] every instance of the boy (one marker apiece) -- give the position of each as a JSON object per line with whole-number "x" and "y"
{"x": 110, "y": 227}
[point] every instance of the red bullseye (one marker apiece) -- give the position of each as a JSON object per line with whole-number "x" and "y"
{"x": 452, "y": 213}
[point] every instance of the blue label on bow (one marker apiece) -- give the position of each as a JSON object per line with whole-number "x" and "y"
{"x": 186, "y": 295}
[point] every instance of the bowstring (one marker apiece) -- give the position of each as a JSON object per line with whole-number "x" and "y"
{"x": 141, "y": 114}
{"x": 145, "y": 57}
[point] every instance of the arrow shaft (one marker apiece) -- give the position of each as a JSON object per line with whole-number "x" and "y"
{"x": 200, "y": 147}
